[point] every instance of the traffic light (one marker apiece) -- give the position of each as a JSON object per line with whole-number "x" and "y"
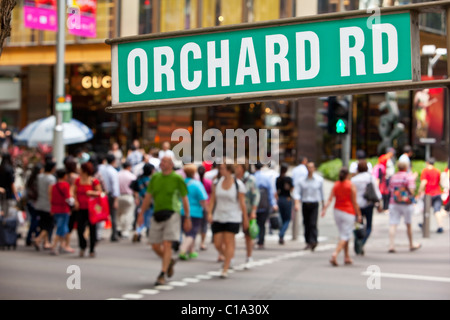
{"x": 338, "y": 115}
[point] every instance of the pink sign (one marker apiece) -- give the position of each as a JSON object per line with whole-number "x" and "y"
{"x": 41, "y": 17}
{"x": 82, "y": 20}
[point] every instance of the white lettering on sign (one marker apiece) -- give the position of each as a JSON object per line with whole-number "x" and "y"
{"x": 247, "y": 50}
{"x": 143, "y": 83}
{"x": 280, "y": 59}
{"x": 222, "y": 63}
{"x": 161, "y": 69}
{"x": 195, "y": 65}
{"x": 313, "y": 39}
{"x": 355, "y": 52}
{"x": 377, "y": 34}
{"x": 184, "y": 64}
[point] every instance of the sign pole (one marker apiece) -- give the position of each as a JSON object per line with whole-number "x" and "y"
{"x": 58, "y": 142}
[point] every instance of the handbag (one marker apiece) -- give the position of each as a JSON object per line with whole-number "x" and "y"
{"x": 370, "y": 194}
{"x": 360, "y": 233}
{"x": 98, "y": 209}
{"x": 274, "y": 220}
{"x": 163, "y": 215}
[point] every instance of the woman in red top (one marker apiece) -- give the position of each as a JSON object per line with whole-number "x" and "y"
{"x": 86, "y": 186}
{"x": 346, "y": 210}
{"x": 60, "y": 209}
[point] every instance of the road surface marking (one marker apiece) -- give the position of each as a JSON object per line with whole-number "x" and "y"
{"x": 203, "y": 277}
{"x": 133, "y": 296}
{"x": 178, "y": 284}
{"x": 164, "y": 287}
{"x": 149, "y": 291}
{"x": 241, "y": 267}
{"x": 407, "y": 276}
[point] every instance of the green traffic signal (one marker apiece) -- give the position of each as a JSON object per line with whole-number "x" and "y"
{"x": 341, "y": 127}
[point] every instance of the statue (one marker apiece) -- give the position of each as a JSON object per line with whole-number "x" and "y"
{"x": 389, "y": 127}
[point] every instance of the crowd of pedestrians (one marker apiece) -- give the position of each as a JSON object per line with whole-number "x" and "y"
{"x": 149, "y": 197}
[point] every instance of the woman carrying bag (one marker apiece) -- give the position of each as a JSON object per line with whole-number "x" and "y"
{"x": 86, "y": 186}
{"x": 346, "y": 211}
{"x": 367, "y": 195}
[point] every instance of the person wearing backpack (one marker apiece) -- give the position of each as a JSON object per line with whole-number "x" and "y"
{"x": 266, "y": 204}
{"x": 367, "y": 195}
{"x": 401, "y": 186}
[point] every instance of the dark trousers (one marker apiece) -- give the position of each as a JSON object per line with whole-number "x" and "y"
{"x": 261, "y": 219}
{"x": 34, "y": 223}
{"x": 82, "y": 223}
{"x": 367, "y": 214}
{"x": 113, "y": 214}
{"x": 310, "y": 211}
{"x": 285, "y": 206}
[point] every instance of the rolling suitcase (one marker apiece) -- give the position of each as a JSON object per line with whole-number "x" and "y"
{"x": 8, "y": 224}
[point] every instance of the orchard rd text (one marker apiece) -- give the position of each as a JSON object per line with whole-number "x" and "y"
{"x": 285, "y": 57}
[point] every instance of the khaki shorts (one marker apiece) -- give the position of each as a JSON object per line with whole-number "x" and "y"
{"x": 169, "y": 230}
{"x": 397, "y": 211}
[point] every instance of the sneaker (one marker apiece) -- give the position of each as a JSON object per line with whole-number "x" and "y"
{"x": 183, "y": 256}
{"x": 248, "y": 263}
{"x": 193, "y": 255}
{"x": 170, "y": 270}
{"x": 161, "y": 280}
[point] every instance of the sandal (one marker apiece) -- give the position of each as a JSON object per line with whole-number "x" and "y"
{"x": 334, "y": 262}
{"x": 348, "y": 262}
{"x": 391, "y": 251}
{"x": 415, "y": 248}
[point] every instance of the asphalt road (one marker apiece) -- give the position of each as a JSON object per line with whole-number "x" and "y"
{"x": 127, "y": 271}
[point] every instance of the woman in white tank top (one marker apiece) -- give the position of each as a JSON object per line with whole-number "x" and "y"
{"x": 226, "y": 212}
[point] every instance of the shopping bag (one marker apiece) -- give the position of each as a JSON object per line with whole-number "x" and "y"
{"x": 419, "y": 207}
{"x": 253, "y": 229}
{"x": 275, "y": 221}
{"x": 98, "y": 209}
{"x": 360, "y": 233}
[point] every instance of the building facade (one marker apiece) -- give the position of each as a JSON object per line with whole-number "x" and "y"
{"x": 27, "y": 68}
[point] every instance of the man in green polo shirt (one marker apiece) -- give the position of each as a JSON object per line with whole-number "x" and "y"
{"x": 165, "y": 189}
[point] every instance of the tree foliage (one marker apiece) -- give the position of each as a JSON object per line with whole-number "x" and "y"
{"x": 6, "y": 7}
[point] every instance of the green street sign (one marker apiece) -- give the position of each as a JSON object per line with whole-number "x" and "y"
{"x": 63, "y": 106}
{"x": 321, "y": 55}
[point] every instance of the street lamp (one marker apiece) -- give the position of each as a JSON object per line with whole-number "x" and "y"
{"x": 58, "y": 143}
{"x": 434, "y": 54}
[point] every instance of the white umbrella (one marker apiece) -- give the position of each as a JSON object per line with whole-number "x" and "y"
{"x": 41, "y": 131}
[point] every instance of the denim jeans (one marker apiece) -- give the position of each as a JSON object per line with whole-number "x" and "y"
{"x": 285, "y": 206}
{"x": 367, "y": 214}
{"x": 147, "y": 218}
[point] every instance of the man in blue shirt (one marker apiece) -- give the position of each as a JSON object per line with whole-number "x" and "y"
{"x": 267, "y": 202}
